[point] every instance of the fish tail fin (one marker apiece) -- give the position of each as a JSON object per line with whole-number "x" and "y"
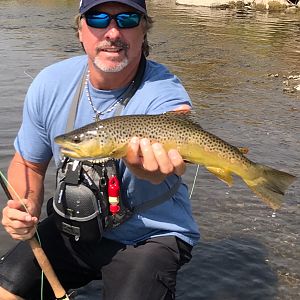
{"x": 270, "y": 184}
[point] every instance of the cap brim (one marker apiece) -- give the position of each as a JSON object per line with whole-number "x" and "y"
{"x": 132, "y": 4}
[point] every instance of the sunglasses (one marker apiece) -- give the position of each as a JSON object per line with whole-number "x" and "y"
{"x": 102, "y": 19}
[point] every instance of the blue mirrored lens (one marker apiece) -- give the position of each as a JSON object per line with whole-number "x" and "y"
{"x": 102, "y": 20}
{"x": 98, "y": 20}
{"x": 126, "y": 20}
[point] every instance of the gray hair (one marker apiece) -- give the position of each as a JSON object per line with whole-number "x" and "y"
{"x": 147, "y": 23}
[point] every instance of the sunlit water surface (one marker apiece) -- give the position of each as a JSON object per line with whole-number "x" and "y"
{"x": 235, "y": 66}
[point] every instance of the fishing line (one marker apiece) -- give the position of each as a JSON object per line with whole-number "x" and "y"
{"x": 28, "y": 75}
{"x": 23, "y": 204}
{"x": 194, "y": 183}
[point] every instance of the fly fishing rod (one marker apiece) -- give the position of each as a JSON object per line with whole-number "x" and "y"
{"x": 44, "y": 263}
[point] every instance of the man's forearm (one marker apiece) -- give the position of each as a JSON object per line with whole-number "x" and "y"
{"x": 27, "y": 179}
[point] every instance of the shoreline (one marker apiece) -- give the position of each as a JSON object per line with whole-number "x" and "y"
{"x": 259, "y": 5}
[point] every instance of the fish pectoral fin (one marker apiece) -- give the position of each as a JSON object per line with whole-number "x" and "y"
{"x": 119, "y": 152}
{"x": 221, "y": 174}
{"x": 187, "y": 161}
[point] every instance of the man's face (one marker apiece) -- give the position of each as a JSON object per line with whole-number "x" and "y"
{"x": 112, "y": 49}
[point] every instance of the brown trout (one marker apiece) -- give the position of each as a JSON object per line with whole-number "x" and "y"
{"x": 110, "y": 138}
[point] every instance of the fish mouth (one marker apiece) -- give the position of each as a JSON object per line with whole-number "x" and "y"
{"x": 74, "y": 154}
{"x": 69, "y": 152}
{"x": 65, "y": 145}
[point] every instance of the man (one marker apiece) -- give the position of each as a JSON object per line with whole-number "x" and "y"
{"x": 138, "y": 259}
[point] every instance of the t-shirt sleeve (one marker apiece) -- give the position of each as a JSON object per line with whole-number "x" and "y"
{"x": 171, "y": 96}
{"x": 162, "y": 91}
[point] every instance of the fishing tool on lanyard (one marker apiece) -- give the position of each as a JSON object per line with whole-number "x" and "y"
{"x": 44, "y": 263}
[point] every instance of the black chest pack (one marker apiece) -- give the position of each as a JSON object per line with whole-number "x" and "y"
{"x": 87, "y": 200}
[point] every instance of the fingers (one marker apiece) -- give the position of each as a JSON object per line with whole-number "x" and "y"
{"x": 177, "y": 162}
{"x": 162, "y": 160}
{"x": 152, "y": 162}
{"x": 14, "y": 204}
{"x": 149, "y": 161}
{"x": 24, "y": 233}
{"x": 132, "y": 156}
{"x": 23, "y": 237}
{"x": 17, "y": 222}
{"x": 183, "y": 107}
{"x": 20, "y": 230}
{"x": 18, "y": 211}
{"x": 156, "y": 158}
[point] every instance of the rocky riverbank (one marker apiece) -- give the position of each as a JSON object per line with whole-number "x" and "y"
{"x": 260, "y": 5}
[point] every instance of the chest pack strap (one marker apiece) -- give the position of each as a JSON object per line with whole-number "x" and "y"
{"x": 75, "y": 102}
{"x": 121, "y": 105}
{"x": 158, "y": 200}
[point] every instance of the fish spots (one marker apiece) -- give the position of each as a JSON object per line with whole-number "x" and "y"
{"x": 173, "y": 132}
{"x": 126, "y": 135}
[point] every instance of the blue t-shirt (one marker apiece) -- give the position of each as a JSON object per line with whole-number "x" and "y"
{"x": 45, "y": 115}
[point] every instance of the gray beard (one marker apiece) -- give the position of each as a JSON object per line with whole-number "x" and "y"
{"x": 117, "y": 68}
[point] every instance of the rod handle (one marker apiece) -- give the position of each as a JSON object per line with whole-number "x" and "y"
{"x": 45, "y": 265}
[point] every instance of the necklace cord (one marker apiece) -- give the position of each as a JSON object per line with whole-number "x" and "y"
{"x": 97, "y": 112}
{"x": 124, "y": 97}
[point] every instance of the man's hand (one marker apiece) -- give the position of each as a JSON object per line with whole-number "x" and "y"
{"x": 27, "y": 180}
{"x": 17, "y": 222}
{"x": 151, "y": 161}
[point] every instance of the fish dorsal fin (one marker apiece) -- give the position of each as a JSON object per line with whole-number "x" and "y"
{"x": 188, "y": 116}
{"x": 243, "y": 150}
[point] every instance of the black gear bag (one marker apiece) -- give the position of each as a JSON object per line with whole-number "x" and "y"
{"x": 80, "y": 202}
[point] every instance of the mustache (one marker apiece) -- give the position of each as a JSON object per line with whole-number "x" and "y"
{"x": 117, "y": 43}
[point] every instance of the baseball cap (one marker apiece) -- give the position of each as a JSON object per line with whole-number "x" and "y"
{"x": 85, "y": 5}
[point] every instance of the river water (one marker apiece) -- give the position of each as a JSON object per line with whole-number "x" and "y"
{"x": 240, "y": 68}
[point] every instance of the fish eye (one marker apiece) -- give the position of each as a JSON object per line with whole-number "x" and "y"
{"x": 76, "y": 139}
